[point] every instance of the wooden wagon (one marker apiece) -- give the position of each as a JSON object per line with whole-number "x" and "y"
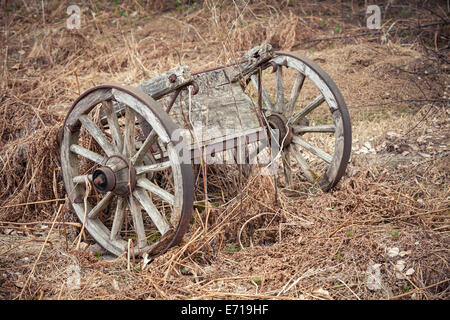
{"x": 127, "y": 152}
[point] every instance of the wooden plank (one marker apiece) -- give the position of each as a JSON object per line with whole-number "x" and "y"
{"x": 218, "y": 107}
{"x": 161, "y": 84}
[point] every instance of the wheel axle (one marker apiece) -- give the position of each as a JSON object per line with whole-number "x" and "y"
{"x": 277, "y": 121}
{"x": 118, "y": 176}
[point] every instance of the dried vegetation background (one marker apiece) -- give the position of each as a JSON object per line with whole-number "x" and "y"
{"x": 383, "y": 233}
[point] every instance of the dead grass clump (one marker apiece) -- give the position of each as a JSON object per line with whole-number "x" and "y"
{"x": 29, "y": 174}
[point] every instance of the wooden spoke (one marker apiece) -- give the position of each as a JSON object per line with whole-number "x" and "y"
{"x": 118, "y": 218}
{"x": 302, "y": 163}
{"x": 140, "y": 154}
{"x": 138, "y": 222}
{"x": 100, "y": 205}
{"x": 314, "y": 150}
{"x": 310, "y": 107}
{"x": 153, "y": 188}
{"x": 82, "y": 178}
{"x": 160, "y": 222}
{"x": 129, "y": 147}
{"x": 87, "y": 154}
{"x": 265, "y": 96}
{"x": 280, "y": 90}
{"x": 98, "y": 135}
{"x": 321, "y": 128}
{"x": 153, "y": 167}
{"x": 287, "y": 168}
{"x": 297, "y": 87}
{"x": 113, "y": 123}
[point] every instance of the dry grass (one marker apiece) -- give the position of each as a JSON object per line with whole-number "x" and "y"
{"x": 245, "y": 245}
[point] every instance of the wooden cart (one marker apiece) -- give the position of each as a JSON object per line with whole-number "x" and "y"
{"x": 127, "y": 152}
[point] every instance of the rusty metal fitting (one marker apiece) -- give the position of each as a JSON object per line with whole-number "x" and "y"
{"x": 172, "y": 78}
{"x": 195, "y": 88}
{"x": 270, "y": 64}
{"x": 194, "y": 85}
{"x": 117, "y": 175}
{"x": 104, "y": 179}
{"x": 279, "y": 122}
{"x": 74, "y": 127}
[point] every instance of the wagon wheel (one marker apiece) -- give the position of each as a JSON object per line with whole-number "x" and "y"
{"x": 116, "y": 194}
{"x": 304, "y": 104}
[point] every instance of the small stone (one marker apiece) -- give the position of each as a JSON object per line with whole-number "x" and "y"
{"x": 400, "y": 265}
{"x": 392, "y": 134}
{"x": 410, "y": 271}
{"x": 115, "y": 285}
{"x": 414, "y": 147}
{"x": 373, "y": 280}
{"x": 398, "y": 268}
{"x": 367, "y": 145}
{"x": 404, "y": 253}
{"x": 393, "y": 252}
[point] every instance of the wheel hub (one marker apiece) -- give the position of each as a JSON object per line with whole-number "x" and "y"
{"x": 279, "y": 122}
{"x": 117, "y": 175}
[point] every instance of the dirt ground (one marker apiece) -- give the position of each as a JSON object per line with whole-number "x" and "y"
{"x": 382, "y": 233}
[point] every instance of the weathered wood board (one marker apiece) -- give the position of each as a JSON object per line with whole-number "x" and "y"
{"x": 219, "y": 109}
